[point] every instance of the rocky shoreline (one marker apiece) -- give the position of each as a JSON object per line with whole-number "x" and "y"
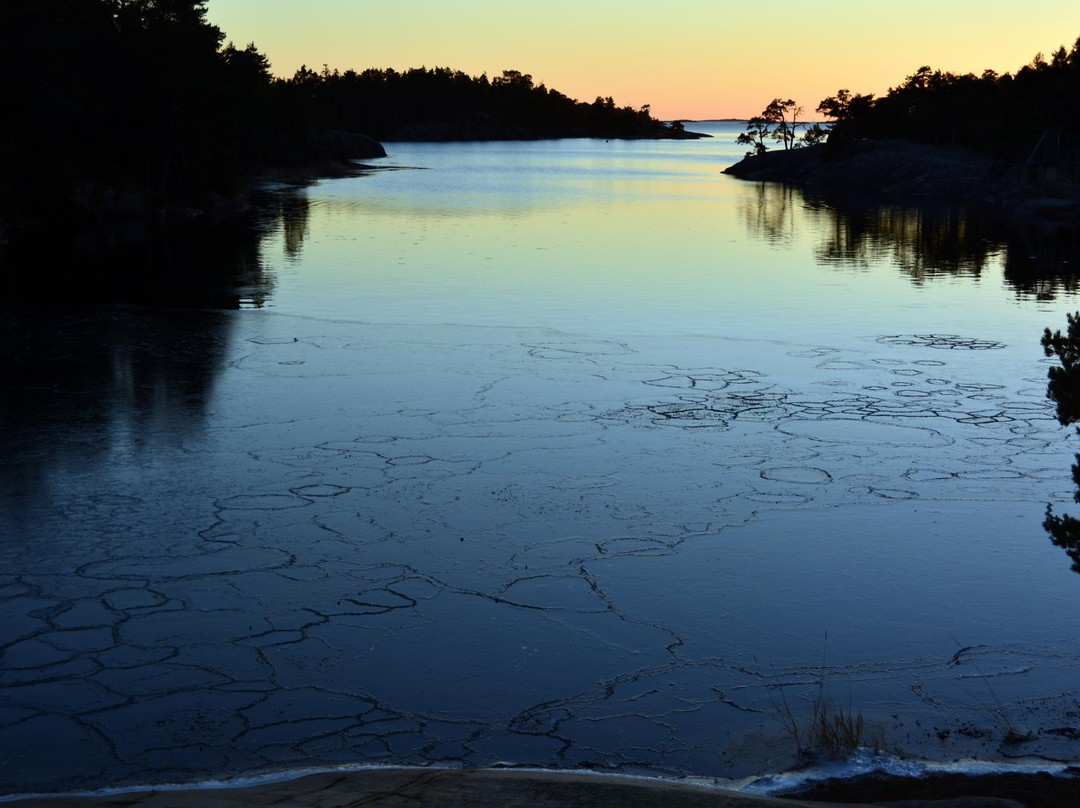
{"x": 901, "y": 170}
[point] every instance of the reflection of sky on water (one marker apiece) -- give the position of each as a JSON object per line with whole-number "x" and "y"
{"x": 534, "y": 466}
{"x": 564, "y": 235}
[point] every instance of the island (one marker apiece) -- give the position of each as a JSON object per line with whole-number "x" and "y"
{"x": 1006, "y": 140}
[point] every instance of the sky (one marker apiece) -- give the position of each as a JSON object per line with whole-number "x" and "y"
{"x": 692, "y": 59}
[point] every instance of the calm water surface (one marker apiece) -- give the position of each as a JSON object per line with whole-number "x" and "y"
{"x": 564, "y": 454}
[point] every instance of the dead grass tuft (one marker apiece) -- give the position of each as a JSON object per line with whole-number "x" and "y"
{"x": 829, "y": 728}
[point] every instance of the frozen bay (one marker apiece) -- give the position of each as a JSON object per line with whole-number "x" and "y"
{"x": 562, "y": 454}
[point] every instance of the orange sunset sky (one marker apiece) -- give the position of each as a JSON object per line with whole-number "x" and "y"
{"x": 686, "y": 58}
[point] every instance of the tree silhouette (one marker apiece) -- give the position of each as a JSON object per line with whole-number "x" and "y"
{"x": 779, "y": 121}
{"x": 1004, "y": 115}
{"x": 758, "y": 130}
{"x": 114, "y": 97}
{"x": 785, "y": 117}
{"x": 1064, "y": 389}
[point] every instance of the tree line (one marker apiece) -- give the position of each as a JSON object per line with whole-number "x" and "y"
{"x": 1005, "y": 115}
{"x": 147, "y": 97}
{"x": 136, "y": 95}
{"x": 444, "y": 104}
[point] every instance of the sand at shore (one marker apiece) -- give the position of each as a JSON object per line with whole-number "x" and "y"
{"x": 436, "y": 788}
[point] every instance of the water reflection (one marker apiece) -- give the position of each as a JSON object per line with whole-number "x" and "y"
{"x": 770, "y": 213}
{"x": 921, "y": 243}
{"x": 1040, "y": 258}
{"x": 116, "y": 348}
{"x": 83, "y": 386}
{"x": 1043, "y": 259}
{"x": 289, "y": 211}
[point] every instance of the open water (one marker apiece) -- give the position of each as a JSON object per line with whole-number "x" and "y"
{"x": 573, "y": 454}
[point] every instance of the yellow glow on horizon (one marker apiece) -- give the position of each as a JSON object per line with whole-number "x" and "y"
{"x": 686, "y": 58}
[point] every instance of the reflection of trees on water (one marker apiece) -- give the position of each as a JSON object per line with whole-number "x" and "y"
{"x": 288, "y": 211}
{"x": 1040, "y": 259}
{"x": 1043, "y": 259}
{"x": 294, "y": 223}
{"x": 87, "y": 381}
{"x": 920, "y": 243}
{"x": 771, "y": 212}
{"x": 199, "y": 264}
{"x": 90, "y": 388}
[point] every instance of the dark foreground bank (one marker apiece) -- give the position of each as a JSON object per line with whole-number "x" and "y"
{"x": 1034, "y": 790}
{"x": 513, "y": 788}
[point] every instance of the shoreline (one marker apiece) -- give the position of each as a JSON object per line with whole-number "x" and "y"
{"x": 512, "y": 787}
{"x": 905, "y": 171}
{"x": 325, "y": 154}
{"x": 428, "y": 788}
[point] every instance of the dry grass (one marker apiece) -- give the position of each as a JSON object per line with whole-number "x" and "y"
{"x": 1011, "y": 735}
{"x": 835, "y": 729}
{"x": 828, "y": 729}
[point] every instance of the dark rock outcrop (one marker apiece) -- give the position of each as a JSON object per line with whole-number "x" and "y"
{"x": 335, "y": 144}
{"x": 902, "y": 169}
{"x": 897, "y": 167}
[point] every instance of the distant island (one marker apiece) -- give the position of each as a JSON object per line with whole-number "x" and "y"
{"x": 440, "y": 104}
{"x": 124, "y": 108}
{"x": 1011, "y": 140}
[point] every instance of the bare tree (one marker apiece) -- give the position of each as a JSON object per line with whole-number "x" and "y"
{"x": 779, "y": 121}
